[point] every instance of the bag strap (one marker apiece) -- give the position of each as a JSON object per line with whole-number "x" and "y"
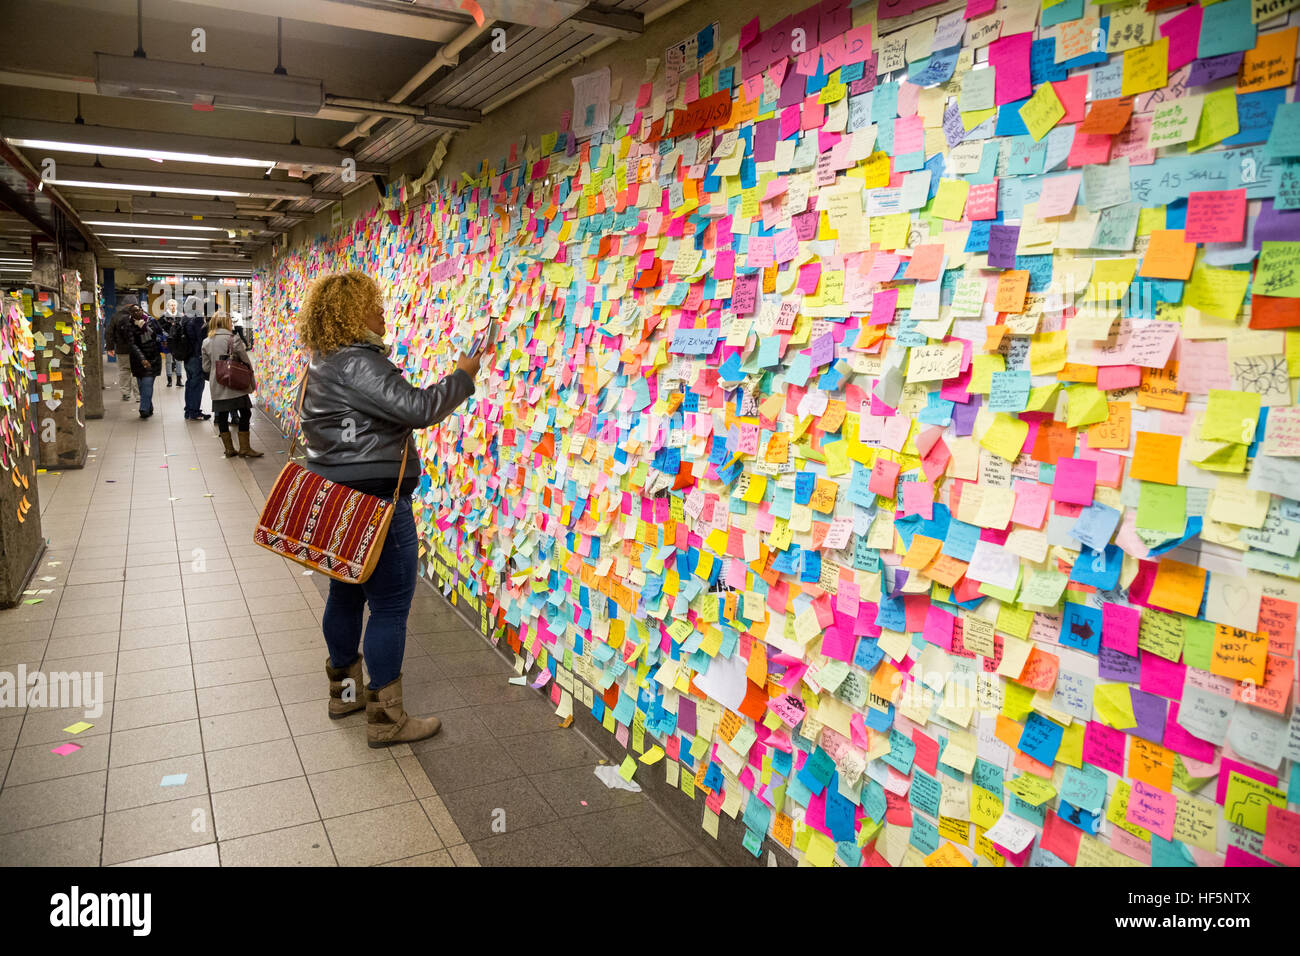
{"x": 302, "y": 392}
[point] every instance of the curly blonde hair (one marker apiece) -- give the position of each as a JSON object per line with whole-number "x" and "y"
{"x": 333, "y": 311}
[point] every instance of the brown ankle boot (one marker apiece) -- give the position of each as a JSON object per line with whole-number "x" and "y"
{"x": 345, "y": 699}
{"x": 229, "y": 442}
{"x": 245, "y": 449}
{"x": 388, "y": 723}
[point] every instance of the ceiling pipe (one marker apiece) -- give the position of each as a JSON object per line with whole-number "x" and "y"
{"x": 448, "y": 55}
{"x": 565, "y": 64}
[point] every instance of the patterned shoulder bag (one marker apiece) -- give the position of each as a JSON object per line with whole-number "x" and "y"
{"x": 322, "y": 525}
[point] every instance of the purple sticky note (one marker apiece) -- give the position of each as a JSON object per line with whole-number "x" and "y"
{"x": 686, "y": 715}
{"x": 64, "y": 749}
{"x": 1276, "y": 225}
{"x": 963, "y": 417}
{"x": 1002, "y": 246}
{"x": 823, "y": 350}
{"x": 1214, "y": 68}
{"x": 794, "y": 89}
{"x": 1149, "y": 709}
{"x": 1116, "y": 665}
{"x": 766, "y": 134}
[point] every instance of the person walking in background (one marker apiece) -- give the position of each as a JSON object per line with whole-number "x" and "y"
{"x": 119, "y": 346}
{"x": 170, "y": 321}
{"x": 146, "y": 338}
{"x": 188, "y": 345}
{"x": 358, "y": 412}
{"x": 226, "y": 401}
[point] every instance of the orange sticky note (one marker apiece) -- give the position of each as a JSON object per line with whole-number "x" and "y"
{"x": 1271, "y": 64}
{"x": 1107, "y": 117}
{"x": 1155, "y": 458}
{"x": 1159, "y": 389}
{"x": 1114, "y": 431}
{"x": 1150, "y": 763}
{"x": 1169, "y": 255}
{"x": 921, "y": 552}
{"x": 946, "y": 569}
{"x": 1012, "y": 286}
{"x": 1008, "y": 731}
{"x": 993, "y": 336}
{"x": 1179, "y": 587}
{"x": 1241, "y": 655}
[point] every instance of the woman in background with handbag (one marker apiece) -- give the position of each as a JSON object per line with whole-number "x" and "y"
{"x": 230, "y": 373}
{"x": 357, "y": 413}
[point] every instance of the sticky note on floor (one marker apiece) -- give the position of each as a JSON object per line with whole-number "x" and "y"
{"x": 77, "y": 728}
{"x": 628, "y": 768}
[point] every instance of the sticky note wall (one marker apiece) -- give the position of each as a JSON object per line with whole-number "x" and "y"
{"x": 892, "y": 436}
{"x": 17, "y": 425}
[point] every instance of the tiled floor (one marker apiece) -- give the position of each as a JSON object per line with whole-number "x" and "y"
{"x": 212, "y": 659}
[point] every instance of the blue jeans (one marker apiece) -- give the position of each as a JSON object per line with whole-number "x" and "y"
{"x": 146, "y": 394}
{"x": 174, "y": 366}
{"x": 388, "y": 591}
{"x": 193, "y": 386}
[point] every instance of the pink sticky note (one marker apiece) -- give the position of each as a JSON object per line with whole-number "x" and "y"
{"x": 939, "y": 627}
{"x": 882, "y": 306}
{"x": 64, "y": 749}
{"x": 1153, "y": 809}
{"x": 1075, "y": 481}
{"x": 1009, "y": 58}
{"x": 1058, "y": 195}
{"x": 1282, "y": 834}
{"x": 1104, "y": 747}
{"x": 1113, "y": 377}
{"x": 1184, "y": 32}
{"x": 1073, "y": 94}
{"x": 1119, "y": 628}
{"x": 1217, "y": 215}
{"x": 1161, "y": 676}
{"x": 749, "y": 34}
{"x": 883, "y": 477}
{"x": 1088, "y": 148}
{"x": 982, "y": 201}
{"x": 1031, "y": 503}
{"x": 918, "y": 499}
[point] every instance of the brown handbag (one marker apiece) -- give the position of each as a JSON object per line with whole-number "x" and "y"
{"x": 233, "y": 373}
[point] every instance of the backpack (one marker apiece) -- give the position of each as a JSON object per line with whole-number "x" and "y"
{"x": 182, "y": 346}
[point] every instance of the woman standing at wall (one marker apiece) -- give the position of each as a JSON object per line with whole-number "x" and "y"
{"x": 227, "y": 401}
{"x": 358, "y": 413}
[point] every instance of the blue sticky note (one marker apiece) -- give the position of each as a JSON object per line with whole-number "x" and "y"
{"x": 1081, "y": 627}
{"x": 1041, "y": 738}
{"x": 1085, "y": 787}
{"x": 1226, "y": 27}
{"x": 1094, "y": 527}
{"x": 174, "y": 779}
{"x": 1099, "y": 569}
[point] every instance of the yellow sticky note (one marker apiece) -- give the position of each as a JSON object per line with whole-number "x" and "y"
{"x": 1114, "y": 705}
{"x": 1146, "y": 68}
{"x": 1042, "y": 111}
{"x": 653, "y": 755}
{"x": 1246, "y": 801}
{"x": 950, "y": 199}
{"x": 1033, "y": 790}
{"x": 1006, "y": 436}
{"x": 1218, "y": 292}
{"x": 78, "y": 727}
{"x": 628, "y": 768}
{"x": 1218, "y": 119}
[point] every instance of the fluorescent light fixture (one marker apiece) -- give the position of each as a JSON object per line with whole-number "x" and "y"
{"x": 151, "y": 225}
{"x": 146, "y": 235}
{"x": 158, "y": 155}
{"x": 164, "y": 254}
{"x": 153, "y": 189}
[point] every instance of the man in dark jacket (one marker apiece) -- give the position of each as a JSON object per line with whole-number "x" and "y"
{"x": 119, "y": 346}
{"x": 146, "y": 339}
{"x": 194, "y": 329}
{"x": 170, "y": 321}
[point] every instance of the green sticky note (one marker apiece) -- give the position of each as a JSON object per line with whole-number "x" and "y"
{"x": 628, "y": 769}
{"x": 1218, "y": 119}
{"x": 1279, "y": 269}
{"x": 1162, "y": 507}
{"x": 1086, "y": 406}
{"x": 1198, "y": 643}
{"x": 1044, "y": 588}
{"x": 1231, "y": 416}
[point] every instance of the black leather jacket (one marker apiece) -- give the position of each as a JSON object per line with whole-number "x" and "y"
{"x": 358, "y": 412}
